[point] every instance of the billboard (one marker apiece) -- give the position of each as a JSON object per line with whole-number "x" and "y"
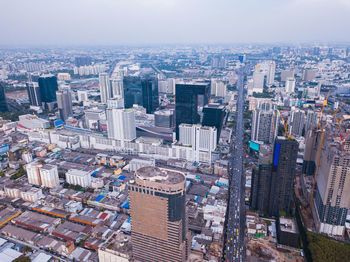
{"x": 255, "y": 146}
{"x": 4, "y": 148}
{"x": 58, "y": 123}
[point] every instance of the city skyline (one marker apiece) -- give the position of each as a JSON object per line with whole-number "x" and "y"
{"x": 137, "y": 22}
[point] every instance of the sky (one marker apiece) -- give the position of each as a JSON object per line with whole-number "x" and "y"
{"x": 120, "y": 22}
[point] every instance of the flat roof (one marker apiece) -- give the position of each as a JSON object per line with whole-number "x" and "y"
{"x": 160, "y": 175}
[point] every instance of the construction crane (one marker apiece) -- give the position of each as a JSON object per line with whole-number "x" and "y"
{"x": 322, "y": 129}
{"x": 285, "y": 125}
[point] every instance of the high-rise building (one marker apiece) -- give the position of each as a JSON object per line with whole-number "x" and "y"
{"x": 48, "y": 87}
{"x": 33, "y": 94}
{"x": 297, "y": 122}
{"x": 331, "y": 202}
{"x": 121, "y": 124}
{"x": 286, "y": 74}
{"x": 258, "y": 80}
{"x": 186, "y": 103}
{"x": 49, "y": 176}
{"x": 105, "y": 87}
{"x": 33, "y": 173}
{"x": 117, "y": 87}
{"x": 132, "y": 91}
{"x": 265, "y": 122}
{"x": 309, "y": 75}
{"x": 213, "y": 115}
{"x": 283, "y": 174}
{"x": 64, "y": 103}
{"x": 311, "y": 120}
{"x": 150, "y": 99}
{"x": 158, "y": 215}
{"x": 3, "y": 101}
{"x": 164, "y": 118}
{"x": 217, "y": 88}
{"x": 82, "y": 61}
{"x": 290, "y": 85}
{"x": 83, "y": 95}
{"x": 270, "y": 79}
{"x": 261, "y": 180}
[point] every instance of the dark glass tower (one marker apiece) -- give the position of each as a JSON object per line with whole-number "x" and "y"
{"x": 3, "y": 102}
{"x": 186, "y": 103}
{"x": 283, "y": 175}
{"x": 83, "y": 61}
{"x": 213, "y": 115}
{"x": 48, "y": 87}
{"x": 150, "y": 99}
{"x": 132, "y": 91}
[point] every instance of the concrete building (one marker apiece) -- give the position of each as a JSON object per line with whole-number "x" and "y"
{"x": 286, "y": 74}
{"x": 258, "y": 80}
{"x": 105, "y": 87}
{"x": 290, "y": 85}
{"x": 33, "y": 94}
{"x": 297, "y": 122}
{"x": 49, "y": 176}
{"x": 83, "y": 95}
{"x": 158, "y": 215}
{"x": 270, "y": 78}
{"x": 217, "y": 88}
{"x": 78, "y": 177}
{"x": 309, "y": 75}
{"x": 33, "y": 122}
{"x": 287, "y": 232}
{"x": 164, "y": 118}
{"x": 121, "y": 124}
{"x": 117, "y": 248}
{"x": 33, "y": 173}
{"x": 265, "y": 122}
{"x": 117, "y": 87}
{"x": 64, "y": 103}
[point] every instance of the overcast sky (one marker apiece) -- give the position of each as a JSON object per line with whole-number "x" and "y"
{"x": 109, "y": 22}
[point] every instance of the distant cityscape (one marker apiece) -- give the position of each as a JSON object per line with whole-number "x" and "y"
{"x": 175, "y": 153}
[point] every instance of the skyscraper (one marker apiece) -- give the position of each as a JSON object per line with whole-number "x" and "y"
{"x": 332, "y": 193}
{"x": 150, "y": 99}
{"x": 117, "y": 87}
{"x": 158, "y": 215}
{"x": 265, "y": 122}
{"x": 297, "y": 122}
{"x": 105, "y": 87}
{"x": 33, "y": 94}
{"x": 48, "y": 87}
{"x": 283, "y": 173}
{"x": 121, "y": 124}
{"x": 271, "y": 73}
{"x": 64, "y": 103}
{"x": 3, "y": 102}
{"x": 213, "y": 115}
{"x": 186, "y": 103}
{"x": 132, "y": 91}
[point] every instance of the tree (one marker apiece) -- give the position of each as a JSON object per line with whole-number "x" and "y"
{"x": 22, "y": 259}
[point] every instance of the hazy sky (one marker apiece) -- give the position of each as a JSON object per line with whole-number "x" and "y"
{"x": 108, "y": 22}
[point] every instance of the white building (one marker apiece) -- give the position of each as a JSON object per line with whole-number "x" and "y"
{"x": 136, "y": 163}
{"x": 117, "y": 87}
{"x": 33, "y": 122}
{"x": 121, "y": 124}
{"x": 199, "y": 139}
{"x": 31, "y": 195}
{"x": 258, "y": 80}
{"x": 49, "y": 176}
{"x": 217, "y": 88}
{"x": 78, "y": 177}
{"x": 83, "y": 95}
{"x": 270, "y": 79}
{"x": 27, "y": 157}
{"x": 290, "y": 85}
{"x": 105, "y": 87}
{"x": 33, "y": 173}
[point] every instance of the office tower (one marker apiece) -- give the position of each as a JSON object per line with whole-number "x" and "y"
{"x": 164, "y": 118}
{"x": 64, "y": 103}
{"x": 158, "y": 215}
{"x": 117, "y": 87}
{"x": 213, "y": 115}
{"x": 258, "y": 80}
{"x": 48, "y": 87}
{"x": 33, "y": 94}
{"x": 105, "y": 87}
{"x": 150, "y": 99}
{"x": 83, "y": 95}
{"x": 3, "y": 101}
{"x": 49, "y": 176}
{"x": 265, "y": 123}
{"x": 270, "y": 79}
{"x": 297, "y": 122}
{"x": 132, "y": 91}
{"x": 82, "y": 61}
{"x": 332, "y": 193}
{"x": 261, "y": 180}
{"x": 290, "y": 85}
{"x": 186, "y": 103}
{"x": 309, "y": 75}
{"x": 78, "y": 177}
{"x": 121, "y": 124}
{"x": 286, "y": 74}
{"x": 283, "y": 173}
{"x": 217, "y": 88}
{"x": 33, "y": 173}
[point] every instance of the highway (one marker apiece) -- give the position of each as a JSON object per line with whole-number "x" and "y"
{"x": 235, "y": 227}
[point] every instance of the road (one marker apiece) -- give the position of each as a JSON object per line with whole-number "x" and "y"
{"x": 235, "y": 229}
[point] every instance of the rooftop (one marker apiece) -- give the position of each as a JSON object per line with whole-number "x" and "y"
{"x": 288, "y": 225}
{"x": 160, "y": 175}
